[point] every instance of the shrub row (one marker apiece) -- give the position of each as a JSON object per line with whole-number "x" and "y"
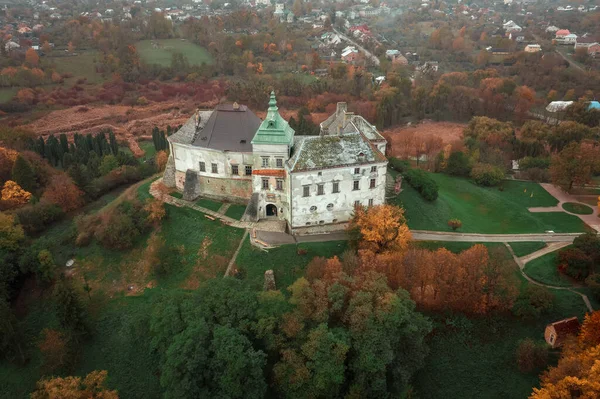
{"x": 37, "y": 217}
{"x": 421, "y": 182}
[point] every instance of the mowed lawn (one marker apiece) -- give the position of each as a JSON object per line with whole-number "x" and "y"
{"x": 526, "y": 247}
{"x": 161, "y": 53}
{"x": 544, "y": 269}
{"x": 485, "y": 210}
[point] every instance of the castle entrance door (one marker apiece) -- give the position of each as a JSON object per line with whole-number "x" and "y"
{"x": 271, "y": 210}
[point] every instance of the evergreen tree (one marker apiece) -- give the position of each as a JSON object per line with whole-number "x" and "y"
{"x": 155, "y": 138}
{"x": 80, "y": 176}
{"x": 64, "y": 143}
{"x": 67, "y": 160}
{"x": 69, "y": 309}
{"x": 40, "y": 147}
{"x": 23, "y": 174}
{"x": 114, "y": 146}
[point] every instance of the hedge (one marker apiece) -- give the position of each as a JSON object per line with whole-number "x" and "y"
{"x": 485, "y": 174}
{"x": 421, "y": 182}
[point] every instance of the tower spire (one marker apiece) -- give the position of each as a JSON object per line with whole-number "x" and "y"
{"x": 271, "y": 113}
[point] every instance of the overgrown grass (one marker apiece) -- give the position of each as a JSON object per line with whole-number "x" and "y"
{"x": 285, "y": 261}
{"x": 485, "y": 210}
{"x": 544, "y": 270}
{"x": 526, "y": 247}
{"x": 578, "y": 209}
{"x": 162, "y": 53}
{"x": 209, "y": 204}
{"x": 82, "y": 65}
{"x": 235, "y": 211}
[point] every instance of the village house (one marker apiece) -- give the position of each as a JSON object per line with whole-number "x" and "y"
{"x": 556, "y": 333}
{"x": 396, "y": 57}
{"x": 533, "y": 48}
{"x": 304, "y": 182}
{"x": 589, "y": 44}
{"x": 350, "y": 54}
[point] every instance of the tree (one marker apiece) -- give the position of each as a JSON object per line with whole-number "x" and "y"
{"x": 160, "y": 159}
{"x": 156, "y": 210}
{"x": 531, "y": 355}
{"x": 46, "y": 48}
{"x": 458, "y": 164}
{"x": 485, "y": 174}
{"x": 109, "y": 162}
{"x": 31, "y": 57}
{"x": 14, "y": 194}
{"x": 71, "y": 47}
{"x": 92, "y": 387}
{"x": 590, "y": 330}
{"x": 574, "y": 165}
{"x": 47, "y": 268}
{"x": 53, "y": 347}
{"x": 23, "y": 174}
{"x": 589, "y": 243}
{"x": 381, "y": 228}
{"x": 533, "y": 302}
{"x": 69, "y": 310}
{"x": 63, "y": 192}
{"x": 575, "y": 263}
{"x": 11, "y": 233}
{"x": 11, "y": 345}
{"x": 454, "y": 224}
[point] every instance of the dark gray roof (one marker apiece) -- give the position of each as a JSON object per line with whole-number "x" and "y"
{"x": 228, "y": 129}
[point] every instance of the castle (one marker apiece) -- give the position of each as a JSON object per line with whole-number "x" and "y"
{"x": 230, "y": 154}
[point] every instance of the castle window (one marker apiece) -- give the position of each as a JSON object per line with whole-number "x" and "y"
{"x": 336, "y": 187}
{"x": 214, "y": 168}
{"x": 320, "y": 189}
{"x": 265, "y": 184}
{"x": 248, "y": 170}
{"x": 373, "y": 169}
{"x": 306, "y": 191}
{"x": 202, "y": 167}
{"x": 265, "y": 162}
{"x": 279, "y": 184}
{"x": 372, "y": 183}
{"x": 313, "y": 208}
{"x": 321, "y": 221}
{"x": 329, "y": 207}
{"x": 371, "y": 202}
{"x": 234, "y": 170}
{"x": 357, "y": 171}
{"x": 279, "y": 162}
{"x": 356, "y": 185}
{"x": 356, "y": 204}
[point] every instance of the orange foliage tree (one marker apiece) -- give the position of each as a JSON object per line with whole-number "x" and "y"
{"x": 64, "y": 193}
{"x": 161, "y": 159}
{"x": 32, "y": 57}
{"x": 381, "y": 228}
{"x": 53, "y": 346}
{"x": 590, "y": 331}
{"x": 14, "y": 193}
{"x": 91, "y": 387}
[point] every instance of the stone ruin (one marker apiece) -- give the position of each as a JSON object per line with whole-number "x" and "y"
{"x": 169, "y": 175}
{"x": 191, "y": 187}
{"x": 269, "y": 284}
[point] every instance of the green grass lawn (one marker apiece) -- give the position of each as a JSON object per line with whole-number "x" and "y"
{"x": 579, "y": 209}
{"x": 196, "y": 55}
{"x": 456, "y": 246}
{"x": 285, "y": 261}
{"x": 543, "y": 269}
{"x": 81, "y": 65}
{"x": 177, "y": 194}
{"x": 209, "y": 204}
{"x": 148, "y": 148}
{"x": 485, "y": 210}
{"x": 7, "y": 94}
{"x": 235, "y": 211}
{"x": 526, "y": 248}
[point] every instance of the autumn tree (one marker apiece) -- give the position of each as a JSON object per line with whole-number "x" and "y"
{"x": 156, "y": 210}
{"x": 381, "y": 228}
{"x": 63, "y": 192}
{"x": 160, "y": 159}
{"x": 31, "y": 57}
{"x": 14, "y": 194}
{"x": 574, "y": 165}
{"x": 91, "y": 387}
{"x": 71, "y": 47}
{"x": 590, "y": 330}
{"x": 531, "y": 355}
{"x": 54, "y": 350}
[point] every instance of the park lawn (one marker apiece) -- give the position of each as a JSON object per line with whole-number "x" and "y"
{"x": 485, "y": 210}
{"x": 235, "y": 211}
{"x": 209, "y": 204}
{"x": 457, "y": 246}
{"x": 544, "y": 270}
{"x": 195, "y": 54}
{"x": 148, "y": 148}
{"x": 285, "y": 261}
{"x": 82, "y": 65}
{"x": 526, "y": 247}
{"x": 7, "y": 94}
{"x": 579, "y": 209}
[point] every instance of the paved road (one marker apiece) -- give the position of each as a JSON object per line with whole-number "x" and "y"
{"x": 361, "y": 48}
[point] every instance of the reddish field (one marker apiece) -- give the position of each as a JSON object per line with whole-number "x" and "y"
{"x": 399, "y": 138}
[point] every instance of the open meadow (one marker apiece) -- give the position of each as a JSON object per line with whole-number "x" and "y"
{"x": 160, "y": 51}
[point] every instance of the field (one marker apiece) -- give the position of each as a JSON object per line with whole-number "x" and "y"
{"x": 485, "y": 210}
{"x": 81, "y": 65}
{"x": 543, "y": 269}
{"x": 398, "y": 137}
{"x": 162, "y": 52}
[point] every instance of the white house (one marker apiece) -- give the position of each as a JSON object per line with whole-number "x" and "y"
{"x": 306, "y": 181}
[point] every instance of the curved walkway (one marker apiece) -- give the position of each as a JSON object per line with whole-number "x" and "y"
{"x": 527, "y": 258}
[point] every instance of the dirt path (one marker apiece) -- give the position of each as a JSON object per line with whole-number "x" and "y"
{"x": 521, "y": 265}
{"x": 235, "y": 254}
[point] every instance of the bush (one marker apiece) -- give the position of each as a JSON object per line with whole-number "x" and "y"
{"x": 37, "y": 217}
{"x": 486, "y": 174}
{"x": 421, "y": 182}
{"x": 121, "y": 226}
{"x": 533, "y": 302}
{"x": 593, "y": 281}
{"x": 537, "y": 175}
{"x": 118, "y": 177}
{"x": 458, "y": 164}
{"x": 454, "y": 224}
{"x": 574, "y": 263}
{"x": 534, "y": 162}
{"x": 399, "y": 165}
{"x": 589, "y": 243}
{"x": 531, "y": 356}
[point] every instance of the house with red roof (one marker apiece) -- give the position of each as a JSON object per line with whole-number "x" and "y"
{"x": 557, "y": 332}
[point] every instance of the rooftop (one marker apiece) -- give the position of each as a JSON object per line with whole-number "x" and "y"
{"x": 322, "y": 152}
{"x": 274, "y": 129}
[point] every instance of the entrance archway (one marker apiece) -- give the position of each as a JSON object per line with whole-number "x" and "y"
{"x": 271, "y": 210}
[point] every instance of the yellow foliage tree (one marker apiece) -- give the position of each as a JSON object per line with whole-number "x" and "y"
{"x": 382, "y": 228}
{"x": 14, "y": 193}
{"x": 590, "y": 330}
{"x": 92, "y": 387}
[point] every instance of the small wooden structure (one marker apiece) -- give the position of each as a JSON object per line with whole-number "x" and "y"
{"x": 557, "y": 332}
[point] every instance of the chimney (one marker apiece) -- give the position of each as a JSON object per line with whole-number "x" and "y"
{"x": 236, "y": 106}
{"x": 340, "y": 111}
